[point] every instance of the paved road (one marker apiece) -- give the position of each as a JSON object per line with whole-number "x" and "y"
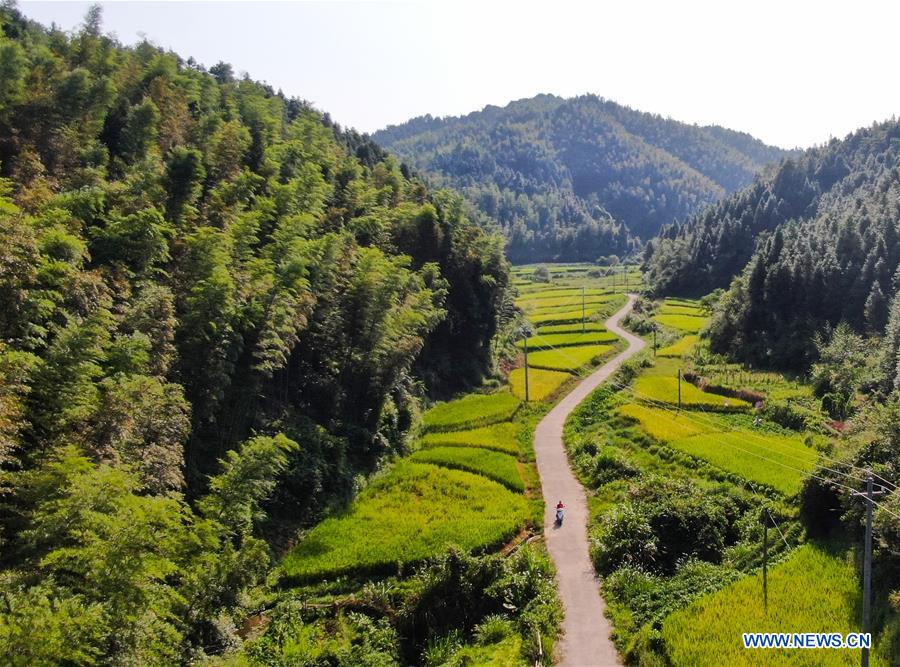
{"x": 586, "y": 631}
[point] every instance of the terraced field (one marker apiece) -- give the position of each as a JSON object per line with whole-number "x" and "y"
{"x": 411, "y": 513}
{"x": 568, "y": 339}
{"x": 471, "y": 411}
{"x": 542, "y": 383}
{"x": 665, "y": 389}
{"x": 813, "y": 591}
{"x": 682, "y": 315}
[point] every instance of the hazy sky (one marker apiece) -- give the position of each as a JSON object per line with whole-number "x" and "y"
{"x": 791, "y": 72}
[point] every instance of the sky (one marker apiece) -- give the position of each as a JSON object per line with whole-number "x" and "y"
{"x": 793, "y": 73}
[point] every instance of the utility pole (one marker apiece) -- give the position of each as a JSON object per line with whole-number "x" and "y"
{"x": 766, "y": 564}
{"x": 526, "y": 369}
{"x": 869, "y": 497}
{"x": 582, "y": 309}
{"x": 625, "y": 277}
{"x": 654, "y": 340}
{"x": 679, "y": 389}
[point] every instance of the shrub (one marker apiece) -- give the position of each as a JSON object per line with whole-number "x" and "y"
{"x": 664, "y": 523}
{"x": 471, "y": 411}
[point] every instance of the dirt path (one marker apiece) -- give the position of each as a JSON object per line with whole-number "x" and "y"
{"x": 586, "y": 631}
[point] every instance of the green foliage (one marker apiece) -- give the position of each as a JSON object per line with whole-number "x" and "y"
{"x": 828, "y": 251}
{"x": 542, "y": 383}
{"x": 663, "y": 524}
{"x": 471, "y": 411}
{"x": 412, "y": 513}
{"x": 578, "y": 178}
{"x": 190, "y": 261}
{"x": 845, "y": 362}
{"x": 497, "y": 466}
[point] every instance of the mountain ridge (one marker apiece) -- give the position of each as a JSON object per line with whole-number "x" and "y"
{"x": 574, "y": 178}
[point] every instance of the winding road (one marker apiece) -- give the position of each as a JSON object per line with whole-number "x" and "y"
{"x": 586, "y": 638}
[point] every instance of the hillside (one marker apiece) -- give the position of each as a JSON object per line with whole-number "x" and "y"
{"x": 816, "y": 243}
{"x": 218, "y": 312}
{"x": 573, "y": 179}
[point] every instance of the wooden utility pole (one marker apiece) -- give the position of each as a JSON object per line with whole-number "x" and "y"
{"x": 654, "y": 340}
{"x": 766, "y": 563}
{"x": 869, "y": 497}
{"x": 582, "y": 309}
{"x": 679, "y": 388}
{"x": 526, "y": 369}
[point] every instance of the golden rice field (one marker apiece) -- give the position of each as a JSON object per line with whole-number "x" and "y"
{"x": 502, "y": 437}
{"x": 813, "y": 591}
{"x": 411, "y": 513}
{"x": 567, "y": 358}
{"x": 665, "y": 389}
{"x": 664, "y": 425}
{"x": 500, "y": 467}
{"x": 569, "y": 339}
{"x": 471, "y": 411}
{"x": 542, "y": 383}
{"x": 679, "y": 348}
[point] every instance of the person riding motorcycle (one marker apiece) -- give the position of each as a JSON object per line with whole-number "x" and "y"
{"x": 560, "y": 512}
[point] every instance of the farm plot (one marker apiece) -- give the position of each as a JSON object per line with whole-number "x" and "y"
{"x": 541, "y": 382}
{"x": 563, "y": 316}
{"x": 575, "y": 327}
{"x": 573, "y": 298}
{"x": 813, "y": 591}
{"x": 471, "y": 411}
{"x": 665, "y": 389}
{"x": 778, "y": 462}
{"x": 680, "y": 347}
{"x": 497, "y": 466}
{"x": 664, "y": 425}
{"x": 413, "y": 512}
{"x": 500, "y": 437}
{"x": 569, "y": 358}
{"x": 687, "y": 323}
{"x": 567, "y": 339}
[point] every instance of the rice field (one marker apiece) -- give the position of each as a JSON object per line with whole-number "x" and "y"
{"x": 471, "y": 411}
{"x": 778, "y": 462}
{"x": 497, "y": 466}
{"x": 665, "y": 389}
{"x": 566, "y": 301}
{"x": 502, "y": 437}
{"x": 561, "y": 316}
{"x": 679, "y": 348}
{"x": 813, "y": 591}
{"x": 569, "y": 339}
{"x": 542, "y": 383}
{"x": 411, "y": 513}
{"x": 569, "y": 358}
{"x": 664, "y": 425}
{"x": 574, "y": 327}
{"x": 687, "y": 323}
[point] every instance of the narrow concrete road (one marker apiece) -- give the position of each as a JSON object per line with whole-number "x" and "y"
{"x": 586, "y": 631}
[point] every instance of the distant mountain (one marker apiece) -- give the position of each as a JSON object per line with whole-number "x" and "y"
{"x": 815, "y": 242}
{"x": 574, "y": 179}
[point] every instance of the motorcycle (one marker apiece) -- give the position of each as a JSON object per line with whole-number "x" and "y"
{"x": 560, "y": 515}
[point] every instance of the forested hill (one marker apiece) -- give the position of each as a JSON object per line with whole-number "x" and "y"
{"x": 573, "y": 179}
{"x": 198, "y": 277}
{"x": 815, "y": 244}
